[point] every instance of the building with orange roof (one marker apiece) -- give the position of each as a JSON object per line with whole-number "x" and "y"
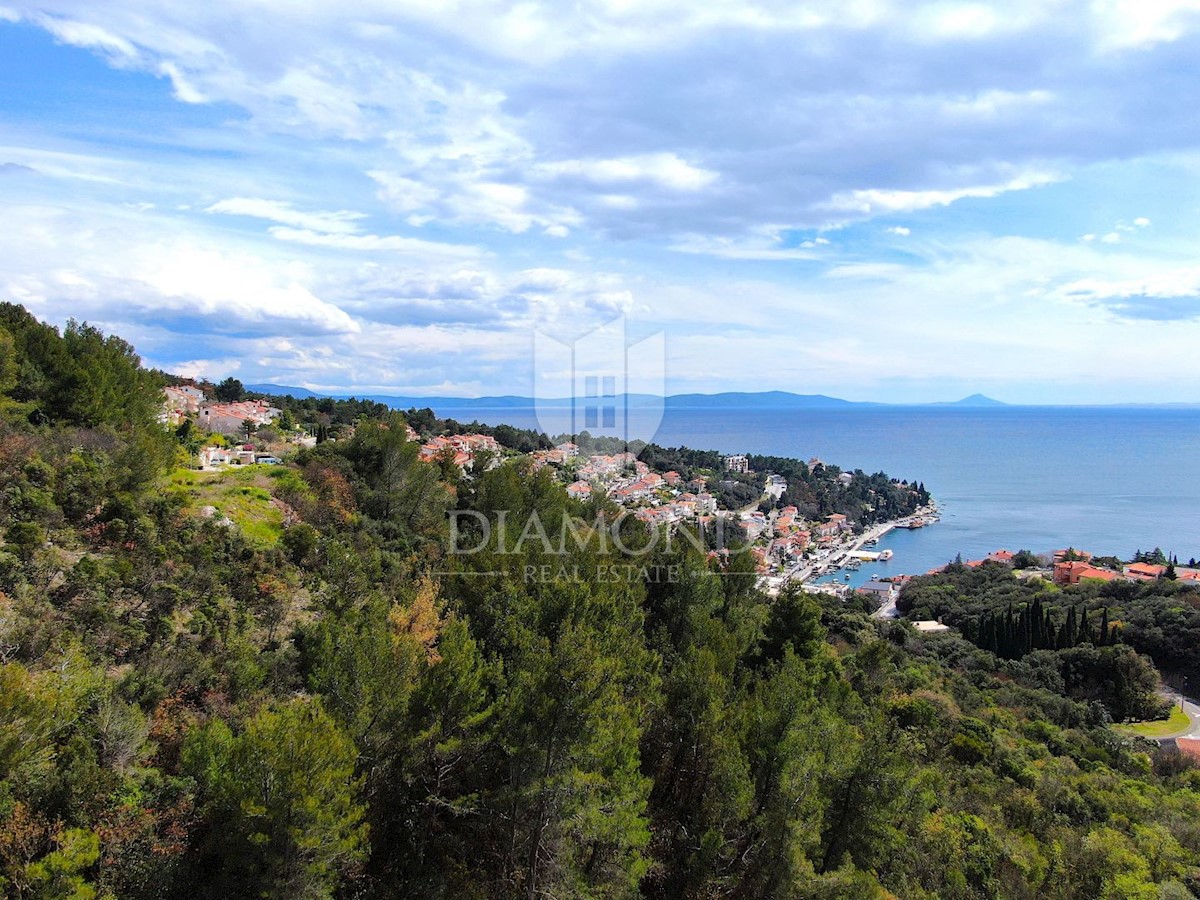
{"x": 1074, "y": 572}
{"x": 1188, "y": 745}
{"x": 1144, "y": 571}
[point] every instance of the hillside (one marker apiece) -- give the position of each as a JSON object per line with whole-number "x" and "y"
{"x": 360, "y": 674}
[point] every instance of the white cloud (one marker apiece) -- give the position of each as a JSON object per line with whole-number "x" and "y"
{"x": 763, "y": 247}
{"x": 391, "y": 242}
{"x": 1128, "y": 24}
{"x": 78, "y": 261}
{"x": 184, "y": 90}
{"x": 992, "y": 103}
{"x": 1111, "y": 238}
{"x": 664, "y": 169}
{"x": 874, "y": 201}
{"x": 1176, "y": 282}
{"x": 338, "y": 222}
{"x": 719, "y": 130}
{"x": 403, "y": 194}
{"x": 91, "y": 36}
{"x": 212, "y": 283}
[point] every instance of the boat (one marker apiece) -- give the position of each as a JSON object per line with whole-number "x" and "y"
{"x": 886, "y": 554}
{"x": 847, "y": 577}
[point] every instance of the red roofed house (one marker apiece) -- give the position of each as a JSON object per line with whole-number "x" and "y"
{"x": 1144, "y": 571}
{"x": 1075, "y": 572}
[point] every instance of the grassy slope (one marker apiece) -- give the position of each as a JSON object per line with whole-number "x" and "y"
{"x": 243, "y": 494}
{"x": 1160, "y": 727}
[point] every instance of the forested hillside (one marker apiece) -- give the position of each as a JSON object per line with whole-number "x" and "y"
{"x": 1158, "y": 618}
{"x": 332, "y": 703}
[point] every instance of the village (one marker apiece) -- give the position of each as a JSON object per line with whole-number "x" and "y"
{"x": 786, "y": 547}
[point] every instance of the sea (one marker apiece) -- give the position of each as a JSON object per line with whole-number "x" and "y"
{"x": 1110, "y": 480}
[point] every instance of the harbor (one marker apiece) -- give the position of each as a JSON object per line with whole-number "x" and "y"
{"x": 837, "y": 570}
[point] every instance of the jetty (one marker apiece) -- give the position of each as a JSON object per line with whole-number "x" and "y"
{"x": 803, "y": 572}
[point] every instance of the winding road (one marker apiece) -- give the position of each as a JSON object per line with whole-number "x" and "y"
{"x": 1192, "y": 708}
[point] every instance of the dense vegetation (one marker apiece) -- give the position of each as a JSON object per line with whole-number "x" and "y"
{"x": 1158, "y": 618}
{"x": 338, "y": 707}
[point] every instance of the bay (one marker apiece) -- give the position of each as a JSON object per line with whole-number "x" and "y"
{"x": 1111, "y": 480}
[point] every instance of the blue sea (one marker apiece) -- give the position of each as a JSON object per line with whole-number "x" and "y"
{"x": 1108, "y": 480}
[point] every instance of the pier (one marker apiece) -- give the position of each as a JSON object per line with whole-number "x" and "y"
{"x": 854, "y": 551}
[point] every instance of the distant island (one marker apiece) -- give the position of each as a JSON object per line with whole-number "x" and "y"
{"x": 973, "y": 400}
{"x": 724, "y": 400}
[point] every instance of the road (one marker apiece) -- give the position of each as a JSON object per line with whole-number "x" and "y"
{"x": 888, "y": 610}
{"x": 1192, "y": 708}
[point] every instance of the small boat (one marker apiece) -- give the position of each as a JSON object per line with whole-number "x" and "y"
{"x": 886, "y": 554}
{"x": 847, "y": 577}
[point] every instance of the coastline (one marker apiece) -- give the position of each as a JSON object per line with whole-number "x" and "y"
{"x": 805, "y": 573}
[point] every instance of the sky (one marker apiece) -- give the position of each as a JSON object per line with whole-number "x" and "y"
{"x": 899, "y": 202}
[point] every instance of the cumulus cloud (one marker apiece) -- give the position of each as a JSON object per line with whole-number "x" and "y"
{"x": 549, "y": 154}
{"x": 84, "y": 264}
{"x": 668, "y": 117}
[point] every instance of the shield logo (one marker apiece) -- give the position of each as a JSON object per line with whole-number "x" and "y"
{"x": 600, "y": 384}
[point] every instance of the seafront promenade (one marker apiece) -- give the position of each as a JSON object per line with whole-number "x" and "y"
{"x": 803, "y": 572}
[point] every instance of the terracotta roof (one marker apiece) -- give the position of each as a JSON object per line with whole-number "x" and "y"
{"x": 1190, "y": 746}
{"x": 1145, "y": 569}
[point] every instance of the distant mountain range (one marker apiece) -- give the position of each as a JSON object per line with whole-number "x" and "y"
{"x": 727, "y": 400}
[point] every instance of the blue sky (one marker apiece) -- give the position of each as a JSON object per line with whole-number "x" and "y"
{"x": 898, "y": 202}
